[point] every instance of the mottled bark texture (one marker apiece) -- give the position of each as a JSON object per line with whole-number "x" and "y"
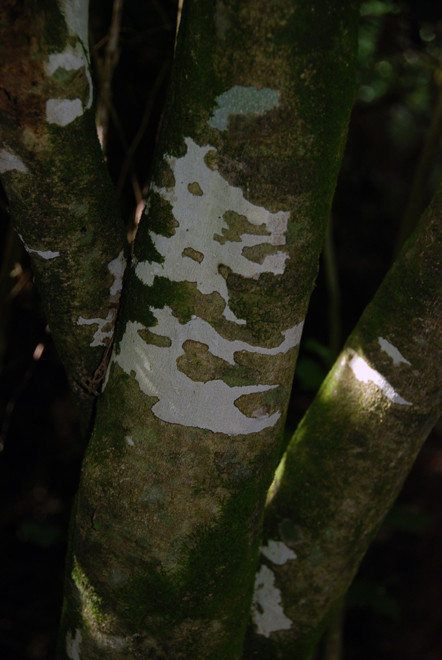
{"x": 352, "y": 451}
{"x": 189, "y": 427}
{"x": 60, "y": 195}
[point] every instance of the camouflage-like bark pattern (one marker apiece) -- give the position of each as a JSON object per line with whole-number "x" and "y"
{"x": 189, "y": 427}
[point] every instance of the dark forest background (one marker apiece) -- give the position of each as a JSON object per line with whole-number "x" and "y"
{"x": 391, "y": 166}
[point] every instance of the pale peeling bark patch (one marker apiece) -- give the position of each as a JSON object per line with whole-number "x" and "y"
{"x": 239, "y": 100}
{"x": 10, "y": 162}
{"x": 73, "y": 643}
{"x": 63, "y": 111}
{"x": 214, "y": 222}
{"x": 392, "y": 352}
{"x": 104, "y": 332}
{"x": 277, "y": 552}
{"x": 76, "y": 13}
{"x": 117, "y": 267}
{"x": 267, "y": 612}
{"x": 71, "y": 59}
{"x": 201, "y": 221}
{"x": 101, "y": 335}
{"x": 366, "y": 374}
{"x": 44, "y": 254}
{"x": 208, "y": 405}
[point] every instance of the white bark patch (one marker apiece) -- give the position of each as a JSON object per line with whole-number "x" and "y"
{"x": 201, "y": 222}
{"x": 71, "y": 59}
{"x": 240, "y": 100}
{"x": 73, "y": 645}
{"x": 203, "y": 204}
{"x": 392, "y": 352}
{"x": 44, "y": 254}
{"x": 209, "y": 405}
{"x": 277, "y": 552}
{"x": 267, "y": 612}
{"x": 63, "y": 111}
{"x": 101, "y": 337}
{"x": 117, "y": 267}
{"x": 9, "y": 162}
{"x": 76, "y": 14}
{"x": 366, "y": 374}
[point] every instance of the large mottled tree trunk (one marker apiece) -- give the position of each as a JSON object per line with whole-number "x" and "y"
{"x": 189, "y": 427}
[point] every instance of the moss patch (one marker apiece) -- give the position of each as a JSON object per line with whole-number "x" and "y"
{"x": 195, "y": 189}
{"x": 258, "y": 253}
{"x": 237, "y": 225}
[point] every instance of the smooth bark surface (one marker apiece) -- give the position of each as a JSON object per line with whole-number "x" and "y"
{"x": 352, "y": 451}
{"x": 189, "y": 427}
{"x": 60, "y": 195}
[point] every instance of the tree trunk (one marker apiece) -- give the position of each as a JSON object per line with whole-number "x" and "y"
{"x": 61, "y": 198}
{"x": 352, "y": 451}
{"x": 189, "y": 428}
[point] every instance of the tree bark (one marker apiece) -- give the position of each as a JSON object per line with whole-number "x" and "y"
{"x": 61, "y": 198}
{"x": 351, "y": 453}
{"x": 189, "y": 427}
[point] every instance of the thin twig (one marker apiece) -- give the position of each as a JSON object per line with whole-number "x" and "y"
{"x": 178, "y": 17}
{"x": 332, "y": 642}
{"x": 12, "y": 254}
{"x": 334, "y": 293}
{"x": 137, "y": 190}
{"x": 419, "y": 188}
{"x": 110, "y": 63}
{"x": 130, "y": 152}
